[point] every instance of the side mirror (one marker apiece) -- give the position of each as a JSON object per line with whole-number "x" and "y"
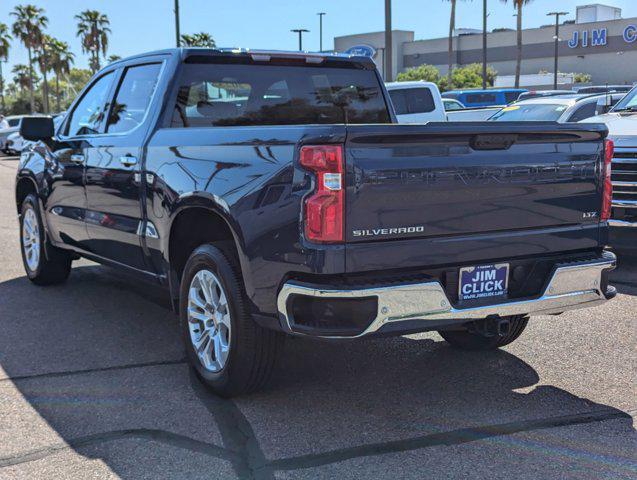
{"x": 37, "y": 128}
{"x": 603, "y": 105}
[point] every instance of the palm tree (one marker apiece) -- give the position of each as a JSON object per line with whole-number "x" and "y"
{"x": 452, "y": 28}
{"x": 29, "y": 23}
{"x": 93, "y": 29}
{"x": 201, "y": 39}
{"x": 61, "y": 60}
{"x": 4, "y": 55}
{"x": 113, "y": 58}
{"x": 44, "y": 60}
{"x": 22, "y": 77}
{"x": 518, "y": 4}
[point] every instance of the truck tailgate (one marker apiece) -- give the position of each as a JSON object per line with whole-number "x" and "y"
{"x": 445, "y": 187}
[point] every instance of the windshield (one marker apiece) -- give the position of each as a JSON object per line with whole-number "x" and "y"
{"x": 629, "y": 102}
{"x": 528, "y": 113}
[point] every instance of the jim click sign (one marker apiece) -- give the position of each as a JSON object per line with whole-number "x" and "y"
{"x": 598, "y": 37}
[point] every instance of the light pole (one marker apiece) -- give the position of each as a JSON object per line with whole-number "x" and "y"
{"x": 320, "y": 14}
{"x": 484, "y": 44}
{"x": 177, "y": 29}
{"x": 557, "y": 43}
{"x": 388, "y": 42}
{"x": 300, "y": 31}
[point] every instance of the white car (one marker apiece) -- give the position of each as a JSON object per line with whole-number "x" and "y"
{"x": 560, "y": 108}
{"x": 14, "y": 144}
{"x": 14, "y": 126}
{"x": 416, "y": 102}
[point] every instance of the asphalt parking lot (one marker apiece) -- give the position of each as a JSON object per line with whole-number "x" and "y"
{"x": 93, "y": 385}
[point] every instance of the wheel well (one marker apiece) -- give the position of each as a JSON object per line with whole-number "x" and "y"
{"x": 24, "y": 187}
{"x": 194, "y": 227}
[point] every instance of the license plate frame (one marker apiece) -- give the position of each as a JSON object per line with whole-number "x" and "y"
{"x": 483, "y": 282}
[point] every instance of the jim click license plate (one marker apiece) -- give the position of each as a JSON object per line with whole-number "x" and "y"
{"x": 484, "y": 281}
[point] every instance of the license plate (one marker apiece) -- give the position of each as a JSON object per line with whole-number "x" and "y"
{"x": 484, "y": 281}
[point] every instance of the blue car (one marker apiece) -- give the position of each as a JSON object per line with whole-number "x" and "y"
{"x": 485, "y": 98}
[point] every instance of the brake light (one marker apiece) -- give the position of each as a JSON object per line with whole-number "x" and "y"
{"x": 609, "y": 152}
{"x": 324, "y": 208}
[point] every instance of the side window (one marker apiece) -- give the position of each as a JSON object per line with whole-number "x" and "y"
{"x": 89, "y": 112}
{"x": 476, "y": 98}
{"x": 133, "y": 98}
{"x": 399, "y": 101}
{"x": 585, "y": 111}
{"x": 420, "y": 100}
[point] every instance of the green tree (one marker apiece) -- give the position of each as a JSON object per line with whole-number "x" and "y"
{"x": 4, "y": 56}
{"x": 470, "y": 76}
{"x": 61, "y": 60}
{"x": 200, "y": 39}
{"x": 113, "y": 58}
{"x": 93, "y": 29}
{"x": 519, "y": 5}
{"x": 428, "y": 73}
{"x": 28, "y": 27}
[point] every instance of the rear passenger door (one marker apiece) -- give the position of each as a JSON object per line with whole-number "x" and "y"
{"x": 114, "y": 171}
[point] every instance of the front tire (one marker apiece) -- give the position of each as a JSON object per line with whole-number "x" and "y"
{"x": 43, "y": 266}
{"x": 467, "y": 340}
{"x": 230, "y": 353}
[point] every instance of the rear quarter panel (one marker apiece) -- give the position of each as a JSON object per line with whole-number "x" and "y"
{"x": 249, "y": 176}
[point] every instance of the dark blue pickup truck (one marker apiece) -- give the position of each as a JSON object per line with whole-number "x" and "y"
{"x": 272, "y": 193}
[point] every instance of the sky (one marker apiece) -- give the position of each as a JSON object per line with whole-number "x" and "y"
{"x": 143, "y": 25}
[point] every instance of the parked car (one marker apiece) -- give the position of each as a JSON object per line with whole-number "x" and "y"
{"x": 450, "y": 104}
{"x": 416, "y": 102}
{"x": 622, "y": 124}
{"x": 604, "y": 89}
{"x": 14, "y": 126}
{"x": 542, "y": 93}
{"x": 485, "y": 98}
{"x": 562, "y": 109}
{"x": 308, "y": 211}
{"x": 14, "y": 144}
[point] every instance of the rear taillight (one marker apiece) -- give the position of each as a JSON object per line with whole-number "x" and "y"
{"x": 324, "y": 208}
{"x": 609, "y": 151}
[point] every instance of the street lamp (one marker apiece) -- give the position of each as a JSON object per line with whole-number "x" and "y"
{"x": 557, "y": 42}
{"x": 300, "y": 31}
{"x": 177, "y": 29}
{"x": 484, "y": 44}
{"x": 320, "y": 14}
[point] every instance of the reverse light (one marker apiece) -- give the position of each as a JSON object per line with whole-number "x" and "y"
{"x": 324, "y": 208}
{"x": 607, "y": 195}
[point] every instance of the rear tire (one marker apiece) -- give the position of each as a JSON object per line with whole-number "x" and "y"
{"x": 43, "y": 265}
{"x": 230, "y": 353}
{"x": 466, "y": 340}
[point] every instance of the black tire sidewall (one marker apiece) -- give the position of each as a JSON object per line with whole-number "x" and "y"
{"x": 31, "y": 202}
{"x": 208, "y": 257}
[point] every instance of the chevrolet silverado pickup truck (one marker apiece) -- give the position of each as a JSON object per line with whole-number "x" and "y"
{"x": 621, "y": 120}
{"x": 274, "y": 194}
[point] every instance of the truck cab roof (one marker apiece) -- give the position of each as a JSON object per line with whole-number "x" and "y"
{"x": 255, "y": 55}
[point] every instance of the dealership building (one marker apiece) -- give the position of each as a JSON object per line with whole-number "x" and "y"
{"x": 599, "y": 42}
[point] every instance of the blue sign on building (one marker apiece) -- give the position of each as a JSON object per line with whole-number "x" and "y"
{"x": 598, "y": 37}
{"x": 361, "y": 51}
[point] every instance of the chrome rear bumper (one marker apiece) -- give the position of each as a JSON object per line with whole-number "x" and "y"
{"x": 572, "y": 286}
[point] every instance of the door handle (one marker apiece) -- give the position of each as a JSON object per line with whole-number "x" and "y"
{"x": 128, "y": 161}
{"x": 77, "y": 158}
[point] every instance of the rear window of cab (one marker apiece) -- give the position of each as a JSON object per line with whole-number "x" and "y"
{"x": 211, "y": 95}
